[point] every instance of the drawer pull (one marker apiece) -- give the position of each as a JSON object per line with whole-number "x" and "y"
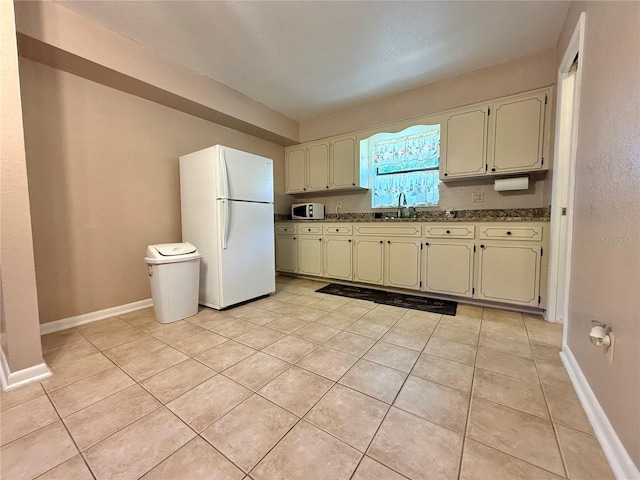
{"x": 481, "y": 246}
{"x": 337, "y": 229}
{"x": 349, "y": 240}
{"x": 388, "y": 241}
{"x": 508, "y": 233}
{"x": 320, "y": 239}
{"x": 427, "y": 244}
{"x": 327, "y": 186}
{"x": 381, "y": 242}
{"x": 446, "y": 174}
{"x": 448, "y": 231}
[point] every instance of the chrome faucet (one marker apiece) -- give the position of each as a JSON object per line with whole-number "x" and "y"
{"x": 402, "y": 195}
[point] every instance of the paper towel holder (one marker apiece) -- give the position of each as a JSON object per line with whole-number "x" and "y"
{"x": 512, "y": 183}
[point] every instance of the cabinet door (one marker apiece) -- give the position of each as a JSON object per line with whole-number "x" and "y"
{"x": 295, "y": 170}
{"x": 342, "y": 167}
{"x": 517, "y": 134}
{"x": 402, "y": 266}
{"x": 310, "y": 255}
{"x": 509, "y": 273}
{"x": 286, "y": 254}
{"x": 318, "y": 167}
{"x": 338, "y": 258}
{"x": 464, "y": 146}
{"x": 448, "y": 268}
{"x": 368, "y": 260}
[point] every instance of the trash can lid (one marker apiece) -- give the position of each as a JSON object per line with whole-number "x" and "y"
{"x": 171, "y": 249}
{"x": 171, "y": 253}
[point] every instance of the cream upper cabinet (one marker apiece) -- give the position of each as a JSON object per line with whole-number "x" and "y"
{"x": 310, "y": 255}
{"x": 343, "y": 163}
{"x": 402, "y": 263}
{"x": 517, "y": 133}
{"x": 448, "y": 267}
{"x": 331, "y": 164}
{"x": 295, "y": 167}
{"x": 307, "y": 168}
{"x": 338, "y": 257}
{"x": 505, "y": 136}
{"x": 464, "y": 143}
{"x": 509, "y": 273}
{"x": 368, "y": 260}
{"x": 318, "y": 167}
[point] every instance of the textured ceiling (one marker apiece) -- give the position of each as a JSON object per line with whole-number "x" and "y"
{"x": 308, "y": 58}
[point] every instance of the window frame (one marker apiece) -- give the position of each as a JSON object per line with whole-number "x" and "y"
{"x": 399, "y": 128}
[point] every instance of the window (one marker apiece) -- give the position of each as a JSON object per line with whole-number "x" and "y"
{"x": 404, "y": 162}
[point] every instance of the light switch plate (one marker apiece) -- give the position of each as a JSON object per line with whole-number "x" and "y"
{"x": 477, "y": 197}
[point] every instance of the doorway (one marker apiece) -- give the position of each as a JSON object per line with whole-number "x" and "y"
{"x": 562, "y": 200}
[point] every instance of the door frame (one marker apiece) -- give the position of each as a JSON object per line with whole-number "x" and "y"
{"x": 564, "y": 181}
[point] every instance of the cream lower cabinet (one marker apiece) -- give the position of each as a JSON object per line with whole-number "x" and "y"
{"x": 402, "y": 263}
{"x": 338, "y": 258}
{"x": 495, "y": 261}
{"x": 390, "y": 262}
{"x": 509, "y": 263}
{"x": 509, "y": 273}
{"x": 310, "y": 255}
{"x": 448, "y": 258}
{"x": 368, "y": 260}
{"x": 286, "y": 253}
{"x": 448, "y": 267}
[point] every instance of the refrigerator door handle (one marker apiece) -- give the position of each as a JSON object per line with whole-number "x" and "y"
{"x": 226, "y": 221}
{"x": 224, "y": 175}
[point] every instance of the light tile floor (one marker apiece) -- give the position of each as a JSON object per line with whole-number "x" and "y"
{"x": 303, "y": 385}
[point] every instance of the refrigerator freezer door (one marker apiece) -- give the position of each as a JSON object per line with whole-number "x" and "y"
{"x": 247, "y": 264}
{"x": 244, "y": 176}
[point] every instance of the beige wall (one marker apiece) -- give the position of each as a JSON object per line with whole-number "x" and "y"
{"x": 53, "y": 34}
{"x": 523, "y": 74}
{"x": 18, "y": 302}
{"x": 103, "y": 171}
{"x": 605, "y": 270}
{"x": 520, "y": 75}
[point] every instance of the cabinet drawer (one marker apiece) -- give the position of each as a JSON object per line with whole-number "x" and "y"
{"x": 449, "y": 231}
{"x": 338, "y": 229}
{"x": 531, "y": 233}
{"x": 379, "y": 230}
{"x": 284, "y": 228}
{"x": 306, "y": 229}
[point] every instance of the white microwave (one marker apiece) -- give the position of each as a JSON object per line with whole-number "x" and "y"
{"x": 307, "y": 211}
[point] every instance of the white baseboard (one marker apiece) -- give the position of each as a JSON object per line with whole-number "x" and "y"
{"x": 11, "y": 380}
{"x": 70, "y": 322}
{"x": 621, "y": 464}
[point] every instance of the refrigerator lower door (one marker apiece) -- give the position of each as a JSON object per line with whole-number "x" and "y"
{"x": 247, "y": 254}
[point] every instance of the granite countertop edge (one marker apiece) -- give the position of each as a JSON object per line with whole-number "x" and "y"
{"x": 503, "y": 215}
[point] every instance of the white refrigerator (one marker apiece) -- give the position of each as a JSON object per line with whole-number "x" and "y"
{"x": 227, "y": 213}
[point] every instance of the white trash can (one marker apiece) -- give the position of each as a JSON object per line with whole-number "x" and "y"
{"x": 174, "y": 272}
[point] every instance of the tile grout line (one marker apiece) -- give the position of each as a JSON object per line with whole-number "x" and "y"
{"x": 473, "y": 379}
{"x": 376, "y": 341}
{"x": 390, "y": 405}
{"x": 546, "y": 402}
{"x": 70, "y": 436}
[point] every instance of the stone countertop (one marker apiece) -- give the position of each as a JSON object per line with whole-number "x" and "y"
{"x": 497, "y": 215}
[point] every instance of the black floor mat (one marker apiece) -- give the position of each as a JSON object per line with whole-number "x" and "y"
{"x": 415, "y": 302}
